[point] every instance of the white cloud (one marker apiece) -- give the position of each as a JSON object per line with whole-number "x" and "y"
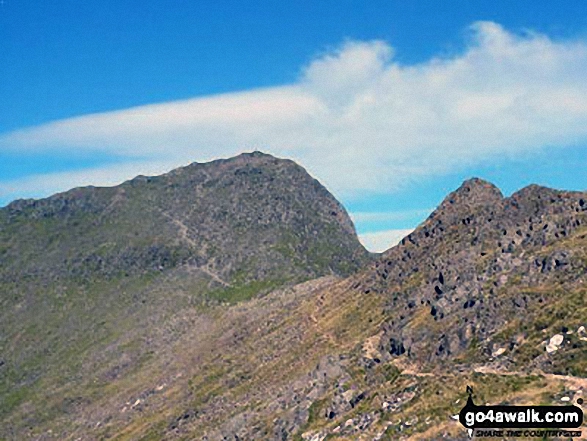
{"x": 382, "y": 240}
{"x": 57, "y": 182}
{"x": 357, "y": 119}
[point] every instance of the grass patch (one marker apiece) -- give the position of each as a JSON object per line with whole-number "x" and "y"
{"x": 240, "y": 293}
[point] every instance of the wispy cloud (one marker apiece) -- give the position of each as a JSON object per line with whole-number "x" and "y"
{"x": 105, "y": 176}
{"x": 357, "y": 119}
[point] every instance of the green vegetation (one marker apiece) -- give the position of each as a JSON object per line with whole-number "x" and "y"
{"x": 235, "y": 294}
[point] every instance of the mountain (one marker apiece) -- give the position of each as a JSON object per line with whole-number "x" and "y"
{"x": 191, "y": 324}
{"x": 91, "y": 280}
{"x": 485, "y": 269}
{"x": 243, "y": 219}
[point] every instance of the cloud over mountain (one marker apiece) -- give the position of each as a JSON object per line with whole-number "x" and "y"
{"x": 356, "y": 118}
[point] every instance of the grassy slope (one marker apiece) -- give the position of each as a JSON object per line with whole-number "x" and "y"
{"x": 240, "y": 353}
{"x": 219, "y": 362}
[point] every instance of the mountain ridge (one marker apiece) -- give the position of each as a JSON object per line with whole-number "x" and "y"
{"x": 347, "y": 345}
{"x": 198, "y": 197}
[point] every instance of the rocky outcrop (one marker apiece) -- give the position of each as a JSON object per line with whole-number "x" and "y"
{"x": 455, "y": 280}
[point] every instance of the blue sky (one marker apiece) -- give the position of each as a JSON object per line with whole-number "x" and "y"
{"x": 391, "y": 104}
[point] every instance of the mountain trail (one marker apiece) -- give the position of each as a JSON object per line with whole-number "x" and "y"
{"x": 212, "y": 274}
{"x": 576, "y": 382}
{"x": 184, "y": 234}
{"x": 183, "y": 228}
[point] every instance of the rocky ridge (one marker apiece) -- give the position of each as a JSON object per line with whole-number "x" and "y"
{"x": 460, "y": 270}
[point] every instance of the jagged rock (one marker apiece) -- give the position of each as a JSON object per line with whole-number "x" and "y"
{"x": 490, "y": 242}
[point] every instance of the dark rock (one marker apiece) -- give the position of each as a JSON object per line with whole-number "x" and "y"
{"x": 355, "y": 400}
{"x": 396, "y": 347}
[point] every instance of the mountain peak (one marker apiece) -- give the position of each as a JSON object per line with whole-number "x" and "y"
{"x": 535, "y": 192}
{"x": 473, "y": 194}
{"x": 479, "y": 189}
{"x": 246, "y": 218}
{"x": 250, "y": 157}
{"x": 131, "y": 289}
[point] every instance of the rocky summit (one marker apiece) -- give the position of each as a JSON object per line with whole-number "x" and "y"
{"x": 232, "y": 300}
{"x": 236, "y": 221}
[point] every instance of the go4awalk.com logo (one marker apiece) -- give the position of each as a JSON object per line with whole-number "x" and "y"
{"x": 521, "y": 421}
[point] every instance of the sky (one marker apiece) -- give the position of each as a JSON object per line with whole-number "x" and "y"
{"x": 390, "y": 104}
